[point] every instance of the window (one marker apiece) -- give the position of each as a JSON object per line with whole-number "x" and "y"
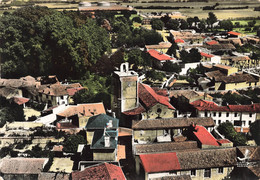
{"x": 250, "y": 114}
{"x": 219, "y": 114}
{"x": 227, "y": 114}
{"x": 219, "y": 121}
{"x": 62, "y": 97}
{"x": 214, "y": 114}
{"x": 193, "y": 172}
{"x": 235, "y": 114}
{"x": 220, "y": 170}
{"x": 237, "y": 123}
{"x": 206, "y": 114}
{"x": 215, "y": 121}
{"x": 249, "y": 123}
{"x": 207, "y": 173}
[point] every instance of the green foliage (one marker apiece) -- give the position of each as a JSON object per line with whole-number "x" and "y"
{"x": 173, "y": 49}
{"x": 211, "y": 19}
{"x": 10, "y": 112}
{"x": 157, "y": 24}
{"x": 226, "y": 24}
{"x": 173, "y": 24}
{"x": 71, "y": 143}
{"x": 155, "y": 75}
{"x": 190, "y": 57}
{"x": 228, "y": 130}
{"x": 40, "y": 41}
{"x": 171, "y": 67}
{"x": 137, "y": 19}
{"x": 5, "y": 151}
{"x": 184, "y": 24}
{"x": 255, "y": 131}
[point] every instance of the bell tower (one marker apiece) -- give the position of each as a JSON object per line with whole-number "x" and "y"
{"x": 125, "y": 90}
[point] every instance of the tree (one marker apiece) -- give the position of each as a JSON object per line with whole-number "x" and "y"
{"x": 165, "y": 19}
{"x": 226, "y": 24}
{"x": 184, "y": 24}
{"x": 190, "y": 21}
{"x": 173, "y": 24}
{"x": 71, "y": 143}
{"x": 255, "y": 131}
{"x": 154, "y": 75}
{"x": 190, "y": 57}
{"x": 171, "y": 67}
{"x": 137, "y": 19}
{"x": 228, "y": 130}
{"x": 211, "y": 19}
{"x": 196, "y": 20}
{"x": 172, "y": 50}
{"x": 157, "y": 24}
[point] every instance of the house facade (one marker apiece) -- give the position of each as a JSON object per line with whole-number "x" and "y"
{"x": 241, "y": 116}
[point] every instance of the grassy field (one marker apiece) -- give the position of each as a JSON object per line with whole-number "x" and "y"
{"x": 245, "y": 22}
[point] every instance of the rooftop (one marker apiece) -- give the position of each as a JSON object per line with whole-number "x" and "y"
{"x": 172, "y": 123}
{"x": 101, "y": 121}
{"x": 98, "y": 141}
{"x": 159, "y": 56}
{"x": 61, "y": 165}
{"x": 205, "y": 137}
{"x": 103, "y": 171}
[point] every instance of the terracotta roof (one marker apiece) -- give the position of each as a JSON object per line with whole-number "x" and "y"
{"x": 88, "y": 110}
{"x": 159, "y": 56}
{"x": 57, "y": 148}
{"x": 206, "y": 55}
{"x": 212, "y": 42}
{"x": 59, "y": 89}
{"x": 20, "y": 100}
{"x": 172, "y": 123}
{"x": 22, "y": 165}
{"x": 255, "y": 170}
{"x": 103, "y": 171}
{"x": 234, "y": 33}
{"x": 204, "y": 137}
{"x": 161, "y": 45}
{"x": 8, "y": 92}
{"x": 254, "y": 152}
{"x": 160, "y": 162}
{"x": 213, "y": 74}
{"x": 179, "y": 41}
{"x": 223, "y": 141}
{"x": 164, "y": 147}
{"x": 140, "y": 109}
{"x": 189, "y": 159}
{"x": 203, "y": 105}
{"x": 72, "y": 91}
{"x": 150, "y": 98}
{"x": 223, "y": 47}
{"x": 222, "y": 66}
{"x": 236, "y": 78}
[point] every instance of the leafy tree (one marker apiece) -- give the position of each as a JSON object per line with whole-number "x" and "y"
{"x": 211, "y": 19}
{"x": 190, "y": 21}
{"x": 157, "y": 24}
{"x": 173, "y": 24}
{"x": 184, "y": 24}
{"x": 190, "y": 57}
{"x": 226, "y": 24}
{"x": 202, "y": 25}
{"x": 228, "y": 130}
{"x": 196, "y": 20}
{"x": 154, "y": 75}
{"x": 165, "y": 19}
{"x": 71, "y": 143}
{"x": 137, "y": 19}
{"x": 171, "y": 67}
{"x": 255, "y": 131}
{"x": 172, "y": 50}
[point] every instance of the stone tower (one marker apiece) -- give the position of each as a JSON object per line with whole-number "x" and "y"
{"x": 125, "y": 90}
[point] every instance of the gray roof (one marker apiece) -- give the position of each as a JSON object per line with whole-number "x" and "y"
{"x": 98, "y": 141}
{"x": 100, "y": 122}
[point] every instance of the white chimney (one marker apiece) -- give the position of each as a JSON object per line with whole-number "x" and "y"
{"x": 109, "y": 124}
{"x": 107, "y": 141}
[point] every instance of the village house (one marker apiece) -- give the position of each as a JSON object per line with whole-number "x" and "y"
{"x": 21, "y": 168}
{"x": 102, "y": 136}
{"x": 133, "y": 100}
{"x": 219, "y": 47}
{"x": 199, "y": 164}
{"x": 209, "y": 58}
{"x": 166, "y": 129}
{"x": 162, "y": 47}
{"x": 187, "y": 36}
{"x": 159, "y": 58}
{"x": 241, "y": 62}
{"x": 241, "y": 116}
{"x": 105, "y": 170}
{"x": 78, "y": 115}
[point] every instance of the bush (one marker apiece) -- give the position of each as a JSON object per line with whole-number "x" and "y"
{"x": 137, "y": 19}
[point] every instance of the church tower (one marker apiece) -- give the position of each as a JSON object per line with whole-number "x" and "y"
{"x": 125, "y": 90}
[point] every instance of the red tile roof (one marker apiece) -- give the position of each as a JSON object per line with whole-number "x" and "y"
{"x": 160, "y": 162}
{"x": 234, "y": 33}
{"x": 20, "y": 100}
{"x": 179, "y": 41}
{"x": 103, "y": 171}
{"x": 206, "y": 55}
{"x": 204, "y": 136}
{"x": 203, "y": 105}
{"x": 150, "y": 98}
{"x": 140, "y": 109}
{"x": 212, "y": 42}
{"x": 72, "y": 91}
{"x": 159, "y": 56}
{"x": 223, "y": 141}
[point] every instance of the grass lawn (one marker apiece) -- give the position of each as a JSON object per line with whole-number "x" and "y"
{"x": 245, "y": 22}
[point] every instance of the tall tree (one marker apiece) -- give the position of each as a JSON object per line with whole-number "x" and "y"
{"x": 211, "y": 19}
{"x": 226, "y": 24}
{"x": 157, "y": 24}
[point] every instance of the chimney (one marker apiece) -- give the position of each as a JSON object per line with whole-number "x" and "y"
{"x": 110, "y": 124}
{"x": 107, "y": 141}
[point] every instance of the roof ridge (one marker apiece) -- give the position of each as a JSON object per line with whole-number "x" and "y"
{"x": 106, "y": 169}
